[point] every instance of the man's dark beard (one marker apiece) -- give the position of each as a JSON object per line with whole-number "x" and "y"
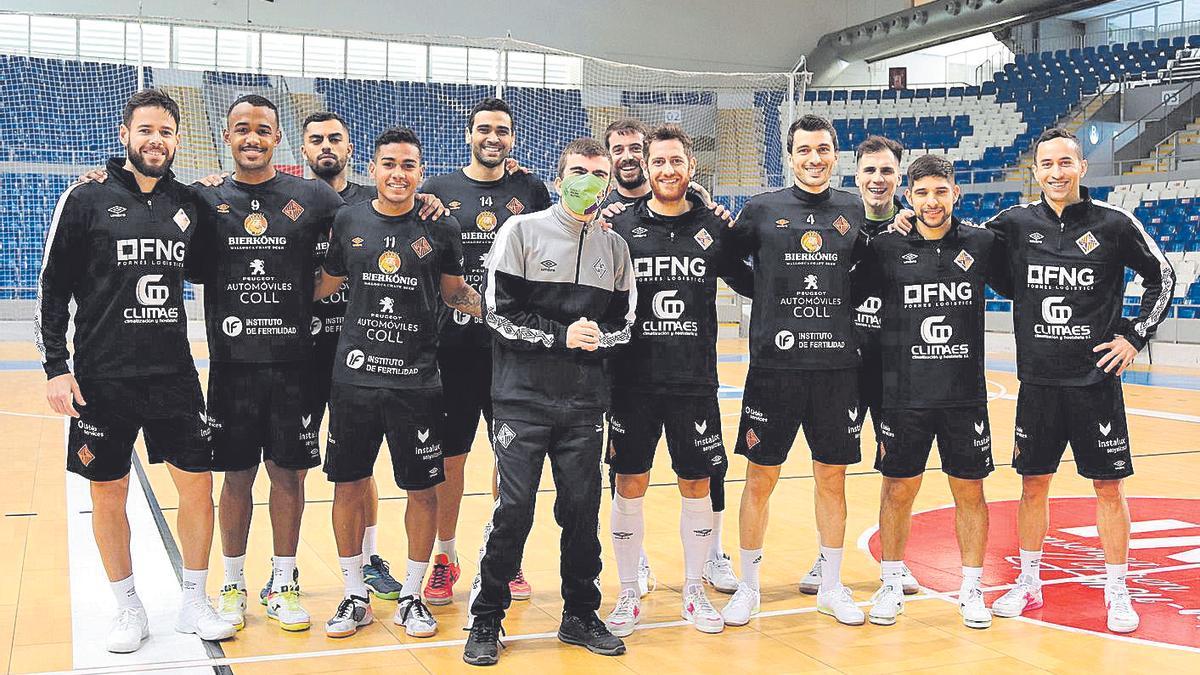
{"x": 489, "y": 163}
{"x": 135, "y": 158}
{"x": 326, "y": 172}
{"x": 633, "y": 184}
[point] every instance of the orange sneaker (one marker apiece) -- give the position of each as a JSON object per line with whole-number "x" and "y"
{"x": 519, "y": 588}
{"x": 439, "y": 590}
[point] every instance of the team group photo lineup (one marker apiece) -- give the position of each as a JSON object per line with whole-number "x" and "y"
{"x": 357, "y": 293}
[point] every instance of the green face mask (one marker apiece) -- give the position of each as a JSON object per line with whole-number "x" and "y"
{"x": 581, "y": 194}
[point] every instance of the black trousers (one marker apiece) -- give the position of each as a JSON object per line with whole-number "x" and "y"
{"x": 521, "y": 449}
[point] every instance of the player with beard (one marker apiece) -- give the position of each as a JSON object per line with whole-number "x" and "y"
{"x": 386, "y": 379}
{"x": 256, "y": 262}
{"x": 804, "y": 240}
{"x": 119, "y": 249}
{"x": 482, "y": 195}
{"x": 667, "y": 377}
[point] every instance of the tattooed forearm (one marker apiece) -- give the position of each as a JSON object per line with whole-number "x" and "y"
{"x": 465, "y": 300}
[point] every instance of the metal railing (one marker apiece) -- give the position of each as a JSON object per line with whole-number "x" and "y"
{"x": 1132, "y": 140}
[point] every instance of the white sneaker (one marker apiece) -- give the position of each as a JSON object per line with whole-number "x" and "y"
{"x": 646, "y": 580}
{"x": 699, "y": 612}
{"x": 626, "y": 615}
{"x": 839, "y": 604}
{"x": 1122, "y": 618}
{"x": 908, "y": 582}
{"x": 975, "y": 613}
{"x": 415, "y": 617}
{"x": 811, "y": 583}
{"x": 199, "y": 617}
{"x": 718, "y": 573}
{"x": 352, "y": 613}
{"x": 231, "y": 606}
{"x": 130, "y": 628}
{"x": 743, "y": 605}
{"x": 888, "y": 604}
{"x": 284, "y": 606}
{"x": 1024, "y": 597}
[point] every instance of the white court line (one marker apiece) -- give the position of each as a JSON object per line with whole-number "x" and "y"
{"x": 34, "y": 415}
{"x": 92, "y": 604}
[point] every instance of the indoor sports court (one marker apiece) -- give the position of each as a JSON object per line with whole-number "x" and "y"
{"x": 972, "y": 81}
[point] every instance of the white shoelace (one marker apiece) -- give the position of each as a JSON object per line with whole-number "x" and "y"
{"x": 127, "y": 618}
{"x": 702, "y": 604}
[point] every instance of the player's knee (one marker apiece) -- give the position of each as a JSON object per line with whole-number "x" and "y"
{"x": 1035, "y": 488}
{"x": 633, "y": 486}
{"x": 693, "y": 489}
{"x": 110, "y": 493}
{"x": 426, "y": 498}
{"x": 898, "y": 491}
{"x": 1109, "y": 490}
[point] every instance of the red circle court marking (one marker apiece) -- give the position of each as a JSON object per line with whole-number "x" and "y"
{"x": 1169, "y": 532}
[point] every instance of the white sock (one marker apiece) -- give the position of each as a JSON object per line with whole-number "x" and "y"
{"x": 1116, "y": 575}
{"x": 891, "y": 572}
{"x": 413, "y": 577}
{"x": 284, "y": 568}
{"x": 628, "y": 531}
{"x": 715, "y": 551}
{"x": 125, "y": 593}
{"x": 1031, "y": 565}
{"x": 447, "y": 547}
{"x": 369, "y": 542}
{"x": 695, "y": 529}
{"x": 352, "y": 575}
{"x": 831, "y": 568}
{"x": 751, "y": 560}
{"x": 193, "y": 583}
{"x": 235, "y": 571}
{"x": 971, "y": 578}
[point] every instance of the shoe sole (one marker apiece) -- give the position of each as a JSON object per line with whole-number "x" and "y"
{"x": 710, "y": 630}
{"x": 1006, "y": 615}
{"x": 237, "y": 626}
{"x": 291, "y": 627}
{"x": 1122, "y": 629}
{"x": 726, "y": 590}
{"x": 595, "y": 650}
{"x": 438, "y": 602}
{"x": 480, "y": 660}
{"x": 621, "y": 632}
{"x": 977, "y": 625}
{"x": 911, "y": 590}
{"x": 128, "y": 650}
{"x": 809, "y": 589}
{"x": 215, "y": 637}
{"x": 739, "y": 623}
{"x": 829, "y": 612}
{"x": 523, "y": 595}
{"x": 394, "y": 595}
{"x": 410, "y": 633}
{"x": 340, "y": 634}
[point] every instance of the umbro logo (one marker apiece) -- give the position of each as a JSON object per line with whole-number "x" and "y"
{"x": 703, "y": 532}
{"x": 623, "y": 536}
{"x": 639, "y": 232}
{"x": 908, "y": 258}
{"x": 116, "y": 211}
{"x": 548, "y": 265}
{"x": 1036, "y": 238}
{"x": 701, "y": 426}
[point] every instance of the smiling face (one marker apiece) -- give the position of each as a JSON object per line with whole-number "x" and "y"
{"x": 490, "y": 137}
{"x": 877, "y": 178}
{"x": 397, "y": 171}
{"x": 933, "y": 198}
{"x": 670, "y": 169}
{"x": 1058, "y": 168}
{"x": 327, "y": 148}
{"x": 252, "y": 133}
{"x": 150, "y": 140}
{"x": 627, "y": 149}
{"x": 813, "y": 159}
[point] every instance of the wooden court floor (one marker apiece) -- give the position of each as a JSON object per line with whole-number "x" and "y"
{"x": 53, "y": 600}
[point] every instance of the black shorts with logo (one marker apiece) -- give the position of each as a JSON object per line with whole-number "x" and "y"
{"x": 1091, "y": 419}
{"x": 964, "y": 441}
{"x": 693, "y": 425}
{"x": 167, "y": 409}
{"x": 360, "y": 418}
{"x": 777, "y": 403}
{"x": 319, "y": 381}
{"x": 258, "y": 412}
{"x": 466, "y": 394}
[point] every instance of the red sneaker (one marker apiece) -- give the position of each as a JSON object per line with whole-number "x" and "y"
{"x": 519, "y": 588}
{"x": 439, "y": 590}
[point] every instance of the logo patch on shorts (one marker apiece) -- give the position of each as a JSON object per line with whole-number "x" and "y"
{"x": 422, "y": 435}
{"x": 1105, "y": 429}
{"x": 505, "y": 435}
{"x": 85, "y": 455}
{"x": 701, "y": 426}
{"x": 751, "y": 439}
{"x": 852, "y": 413}
{"x": 979, "y": 427}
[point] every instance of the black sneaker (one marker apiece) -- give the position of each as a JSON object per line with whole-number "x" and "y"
{"x": 483, "y": 642}
{"x": 266, "y": 589}
{"x": 589, "y": 631}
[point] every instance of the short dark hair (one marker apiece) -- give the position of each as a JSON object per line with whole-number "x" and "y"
{"x": 874, "y": 144}
{"x": 625, "y": 125}
{"x": 670, "y": 132}
{"x": 927, "y": 166}
{"x": 398, "y": 135}
{"x": 150, "y": 98}
{"x": 491, "y": 104}
{"x": 811, "y": 123}
{"x": 254, "y": 100}
{"x": 1057, "y": 132}
{"x": 323, "y": 116}
{"x": 588, "y": 147}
